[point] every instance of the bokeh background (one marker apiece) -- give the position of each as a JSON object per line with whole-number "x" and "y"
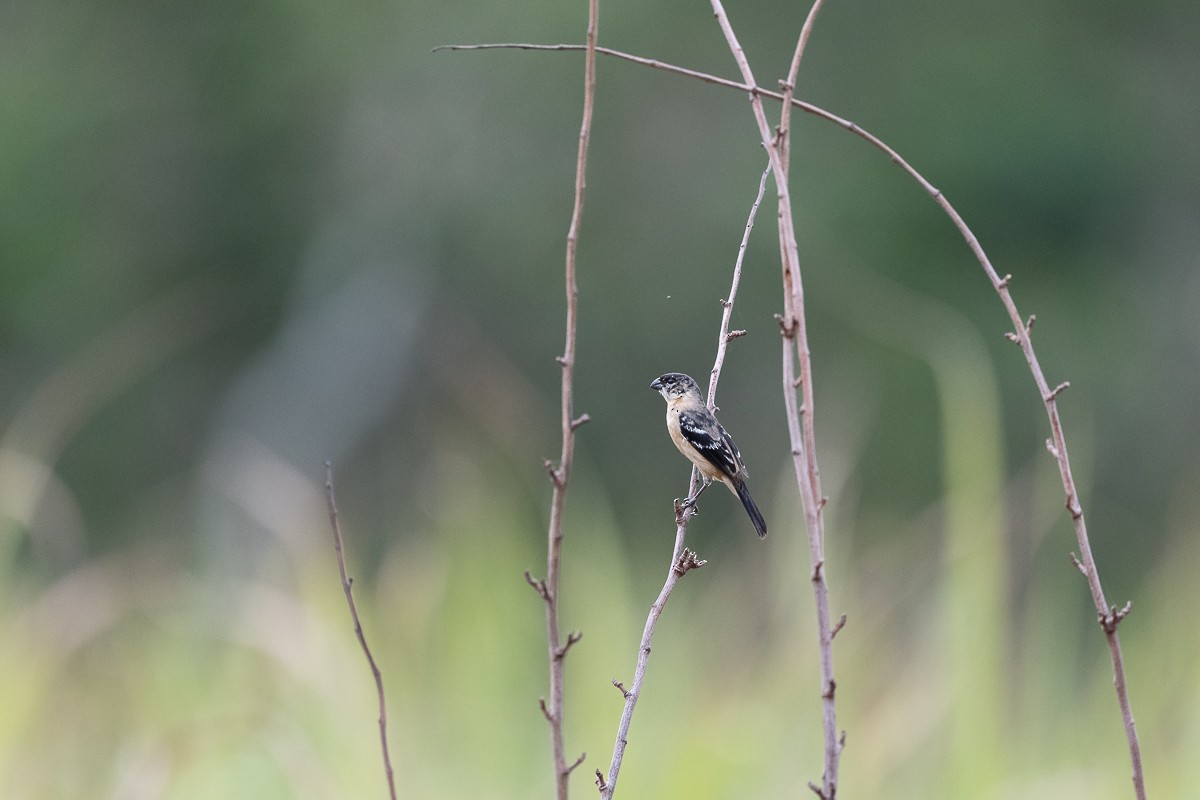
{"x": 241, "y": 238}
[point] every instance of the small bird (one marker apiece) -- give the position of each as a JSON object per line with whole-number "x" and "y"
{"x": 695, "y": 431}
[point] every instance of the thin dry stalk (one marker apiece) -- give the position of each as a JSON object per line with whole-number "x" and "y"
{"x": 347, "y": 584}
{"x": 801, "y": 427}
{"x": 682, "y": 559}
{"x": 560, "y": 475}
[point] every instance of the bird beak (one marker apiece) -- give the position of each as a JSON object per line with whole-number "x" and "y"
{"x": 656, "y": 384}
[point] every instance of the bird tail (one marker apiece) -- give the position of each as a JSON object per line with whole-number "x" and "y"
{"x": 756, "y": 517}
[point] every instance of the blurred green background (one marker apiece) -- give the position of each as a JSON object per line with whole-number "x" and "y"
{"x": 240, "y": 238}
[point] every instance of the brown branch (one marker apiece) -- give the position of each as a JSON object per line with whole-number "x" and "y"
{"x": 801, "y": 427}
{"x": 339, "y": 548}
{"x": 560, "y": 475}
{"x": 682, "y": 559}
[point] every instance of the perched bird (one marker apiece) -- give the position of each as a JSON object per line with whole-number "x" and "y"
{"x": 699, "y": 436}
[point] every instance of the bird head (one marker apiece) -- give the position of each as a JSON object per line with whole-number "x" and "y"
{"x": 674, "y": 384}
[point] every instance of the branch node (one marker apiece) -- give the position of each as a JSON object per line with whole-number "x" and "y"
{"x": 1012, "y": 337}
{"x": 819, "y": 792}
{"x": 545, "y": 711}
{"x": 729, "y": 337}
{"x": 1073, "y": 508}
{"x": 572, "y": 638}
{"x": 830, "y": 689}
{"x": 785, "y": 329}
{"x": 818, "y": 571}
{"x": 1029, "y": 323}
{"x": 841, "y": 623}
{"x": 601, "y": 784}
{"x": 578, "y": 761}
{"x": 688, "y": 560}
{"x": 538, "y": 585}
{"x": 621, "y": 688}
{"x": 685, "y": 511}
{"x": 1003, "y": 284}
{"x": 726, "y": 303}
{"x": 1053, "y": 450}
{"x": 1079, "y": 566}
{"x": 562, "y": 361}
{"x": 556, "y": 476}
{"x": 1113, "y": 618}
{"x": 1057, "y": 390}
{"x": 582, "y": 419}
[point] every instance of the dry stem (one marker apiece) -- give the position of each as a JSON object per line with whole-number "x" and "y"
{"x": 801, "y": 429}
{"x": 682, "y": 559}
{"x": 347, "y": 584}
{"x": 560, "y": 475}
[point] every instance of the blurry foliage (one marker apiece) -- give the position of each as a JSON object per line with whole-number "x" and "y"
{"x": 240, "y": 238}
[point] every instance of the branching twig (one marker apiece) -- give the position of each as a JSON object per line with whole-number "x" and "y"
{"x": 801, "y": 429}
{"x": 347, "y": 583}
{"x": 560, "y": 474}
{"x": 682, "y": 559}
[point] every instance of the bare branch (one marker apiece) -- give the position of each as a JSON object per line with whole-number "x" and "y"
{"x": 682, "y": 558}
{"x": 801, "y": 423}
{"x": 347, "y": 582}
{"x": 560, "y": 476}
{"x": 727, "y": 303}
{"x": 795, "y": 351}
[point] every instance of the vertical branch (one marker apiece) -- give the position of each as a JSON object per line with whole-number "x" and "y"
{"x": 682, "y": 559}
{"x": 801, "y": 429}
{"x": 560, "y": 475}
{"x": 726, "y": 335}
{"x": 788, "y": 84}
{"x": 347, "y": 584}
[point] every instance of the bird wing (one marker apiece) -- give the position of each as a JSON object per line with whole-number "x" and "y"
{"x": 709, "y": 437}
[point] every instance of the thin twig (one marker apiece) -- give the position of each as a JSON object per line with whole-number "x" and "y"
{"x": 682, "y": 559}
{"x": 347, "y": 582}
{"x": 789, "y": 84}
{"x": 560, "y": 474}
{"x": 1020, "y": 335}
{"x": 727, "y": 303}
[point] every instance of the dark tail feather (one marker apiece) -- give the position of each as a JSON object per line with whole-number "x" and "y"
{"x": 756, "y": 517}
